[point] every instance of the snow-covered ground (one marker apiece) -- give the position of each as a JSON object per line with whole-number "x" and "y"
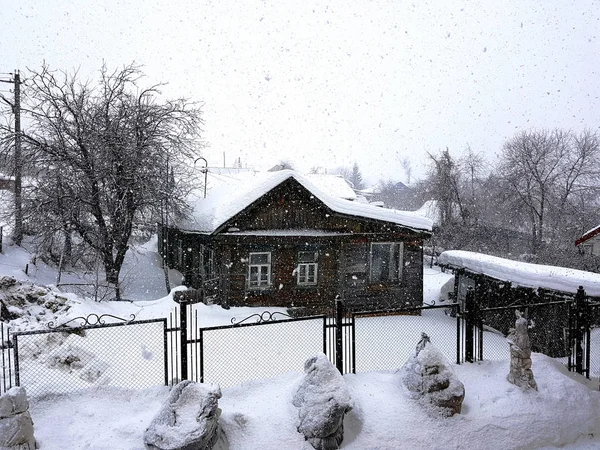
{"x": 259, "y": 414}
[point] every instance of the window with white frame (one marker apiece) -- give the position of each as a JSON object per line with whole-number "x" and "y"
{"x": 386, "y": 262}
{"x": 307, "y": 269}
{"x": 259, "y": 270}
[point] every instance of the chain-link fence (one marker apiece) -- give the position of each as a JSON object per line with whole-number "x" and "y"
{"x": 131, "y": 354}
{"x": 594, "y": 342}
{"x": 548, "y": 329}
{"x": 386, "y": 342}
{"x": 237, "y": 353}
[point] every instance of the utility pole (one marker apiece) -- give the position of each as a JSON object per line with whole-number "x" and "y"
{"x": 16, "y": 109}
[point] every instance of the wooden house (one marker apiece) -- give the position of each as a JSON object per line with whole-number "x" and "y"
{"x": 277, "y": 239}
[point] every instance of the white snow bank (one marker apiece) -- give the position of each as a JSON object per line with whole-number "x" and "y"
{"x": 523, "y": 274}
{"x": 260, "y": 414}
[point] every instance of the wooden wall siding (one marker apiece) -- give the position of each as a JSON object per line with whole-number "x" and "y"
{"x": 168, "y": 248}
{"x": 291, "y": 206}
{"x": 284, "y": 290}
{"x": 231, "y": 253}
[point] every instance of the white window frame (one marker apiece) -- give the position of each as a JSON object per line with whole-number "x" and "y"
{"x": 260, "y": 283}
{"x": 400, "y": 253}
{"x": 303, "y": 276}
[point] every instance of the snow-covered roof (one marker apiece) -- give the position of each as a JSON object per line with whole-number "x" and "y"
{"x": 228, "y": 195}
{"x": 430, "y": 210}
{"x": 588, "y": 235}
{"x": 334, "y": 185}
{"x": 523, "y": 274}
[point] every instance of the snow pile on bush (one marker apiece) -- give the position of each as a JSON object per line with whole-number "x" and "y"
{"x": 25, "y": 305}
{"x": 323, "y": 400}
{"x": 188, "y": 420}
{"x": 430, "y": 379}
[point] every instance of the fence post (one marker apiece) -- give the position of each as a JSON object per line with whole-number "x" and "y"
{"x": 339, "y": 348}
{"x": 469, "y": 324}
{"x": 183, "y": 307}
{"x": 581, "y": 330}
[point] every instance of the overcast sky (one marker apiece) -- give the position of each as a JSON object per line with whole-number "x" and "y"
{"x": 326, "y": 84}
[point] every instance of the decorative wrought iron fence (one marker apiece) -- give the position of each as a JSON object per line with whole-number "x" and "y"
{"x": 88, "y": 352}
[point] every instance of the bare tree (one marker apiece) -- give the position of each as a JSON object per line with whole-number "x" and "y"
{"x": 444, "y": 183}
{"x": 472, "y": 167}
{"x": 543, "y": 171}
{"x": 101, "y": 152}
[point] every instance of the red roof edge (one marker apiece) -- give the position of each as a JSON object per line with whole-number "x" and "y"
{"x": 590, "y": 234}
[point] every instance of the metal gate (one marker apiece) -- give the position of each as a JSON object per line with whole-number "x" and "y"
{"x": 86, "y": 352}
{"x": 260, "y": 346}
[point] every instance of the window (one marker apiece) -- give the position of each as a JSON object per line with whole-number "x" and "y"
{"x": 259, "y": 270}
{"x": 386, "y": 262}
{"x": 201, "y": 269}
{"x": 209, "y": 263}
{"x": 179, "y": 254}
{"x": 307, "y": 268}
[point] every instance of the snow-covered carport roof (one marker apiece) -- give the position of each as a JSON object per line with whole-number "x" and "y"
{"x": 234, "y": 194}
{"x": 523, "y": 274}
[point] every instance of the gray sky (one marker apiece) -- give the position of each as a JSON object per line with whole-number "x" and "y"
{"x": 326, "y": 84}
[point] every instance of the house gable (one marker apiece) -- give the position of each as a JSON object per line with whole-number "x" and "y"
{"x": 287, "y": 206}
{"x": 291, "y": 206}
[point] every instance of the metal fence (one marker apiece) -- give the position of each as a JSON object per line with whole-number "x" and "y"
{"x": 385, "y": 340}
{"x": 6, "y": 359}
{"x": 137, "y": 354}
{"x": 548, "y": 328}
{"x": 564, "y": 326}
{"x": 259, "y": 346}
{"x": 68, "y": 358}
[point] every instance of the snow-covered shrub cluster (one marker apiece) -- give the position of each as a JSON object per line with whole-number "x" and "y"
{"x": 430, "y": 379}
{"x": 322, "y": 400}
